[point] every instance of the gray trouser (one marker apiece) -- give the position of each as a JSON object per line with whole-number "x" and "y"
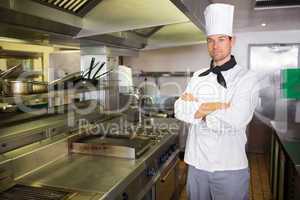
{"x": 219, "y": 185}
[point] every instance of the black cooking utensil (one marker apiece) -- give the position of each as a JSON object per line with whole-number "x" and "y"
{"x": 90, "y": 70}
{"x": 98, "y": 70}
{"x": 91, "y": 67}
{"x": 104, "y": 73}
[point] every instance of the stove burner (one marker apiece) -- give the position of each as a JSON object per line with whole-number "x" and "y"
{"x": 22, "y": 192}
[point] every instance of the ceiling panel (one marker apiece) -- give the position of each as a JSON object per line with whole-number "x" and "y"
{"x": 248, "y": 19}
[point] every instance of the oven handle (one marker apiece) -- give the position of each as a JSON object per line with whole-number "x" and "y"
{"x": 163, "y": 179}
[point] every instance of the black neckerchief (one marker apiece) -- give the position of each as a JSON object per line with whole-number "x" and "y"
{"x": 217, "y": 70}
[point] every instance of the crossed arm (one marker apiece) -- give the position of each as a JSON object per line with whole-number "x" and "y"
{"x": 234, "y": 115}
{"x": 205, "y": 108}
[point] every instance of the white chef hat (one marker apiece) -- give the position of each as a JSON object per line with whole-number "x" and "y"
{"x": 219, "y": 19}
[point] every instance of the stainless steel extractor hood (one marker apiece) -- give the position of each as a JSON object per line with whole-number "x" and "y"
{"x": 76, "y": 7}
{"x": 276, "y": 4}
{"x": 194, "y": 10}
{"x": 23, "y": 20}
{"x": 91, "y": 22}
{"x": 57, "y": 22}
{"x": 18, "y": 20}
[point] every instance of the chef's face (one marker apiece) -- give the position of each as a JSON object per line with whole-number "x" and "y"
{"x": 219, "y": 47}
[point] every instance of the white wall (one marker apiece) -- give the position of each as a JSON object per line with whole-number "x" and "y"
{"x": 170, "y": 59}
{"x": 195, "y": 57}
{"x": 244, "y": 39}
{"x": 61, "y": 63}
{"x": 167, "y": 86}
{"x": 187, "y": 58}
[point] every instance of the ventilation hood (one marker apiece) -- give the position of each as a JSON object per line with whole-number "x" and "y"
{"x": 194, "y": 10}
{"x": 133, "y": 24}
{"x": 75, "y": 7}
{"x": 276, "y": 4}
{"x": 40, "y": 24}
{"x": 88, "y": 22}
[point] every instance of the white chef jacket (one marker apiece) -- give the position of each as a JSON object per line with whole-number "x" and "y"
{"x": 218, "y": 142}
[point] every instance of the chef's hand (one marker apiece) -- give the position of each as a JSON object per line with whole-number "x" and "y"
{"x": 206, "y": 108}
{"x": 188, "y": 97}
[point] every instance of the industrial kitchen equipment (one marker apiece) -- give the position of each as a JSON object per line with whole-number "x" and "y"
{"x": 120, "y": 146}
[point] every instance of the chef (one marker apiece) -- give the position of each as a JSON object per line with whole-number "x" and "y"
{"x": 218, "y": 103}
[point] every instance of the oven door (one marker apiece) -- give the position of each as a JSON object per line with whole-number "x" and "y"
{"x": 166, "y": 187}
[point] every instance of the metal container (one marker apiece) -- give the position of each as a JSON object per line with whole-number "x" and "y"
{"x": 11, "y": 88}
{"x": 39, "y": 87}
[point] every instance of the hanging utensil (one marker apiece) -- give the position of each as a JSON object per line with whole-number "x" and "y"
{"x": 13, "y": 72}
{"x": 66, "y": 78}
{"x": 87, "y": 73}
{"x": 98, "y": 70}
{"x": 104, "y": 73}
{"x": 91, "y": 67}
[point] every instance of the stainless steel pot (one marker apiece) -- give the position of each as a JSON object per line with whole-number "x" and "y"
{"x": 39, "y": 87}
{"x": 11, "y": 88}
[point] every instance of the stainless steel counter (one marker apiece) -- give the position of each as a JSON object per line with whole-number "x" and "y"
{"x": 97, "y": 177}
{"x": 16, "y": 135}
{"x": 83, "y": 173}
{"x": 290, "y": 144}
{"x": 291, "y": 147}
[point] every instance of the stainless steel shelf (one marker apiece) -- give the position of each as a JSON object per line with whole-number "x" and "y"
{"x": 115, "y": 173}
{"x": 18, "y": 135}
{"x": 38, "y": 98}
{"x": 164, "y": 74}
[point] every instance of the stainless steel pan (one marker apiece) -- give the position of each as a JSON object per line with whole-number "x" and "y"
{"x": 18, "y": 87}
{"x": 23, "y": 87}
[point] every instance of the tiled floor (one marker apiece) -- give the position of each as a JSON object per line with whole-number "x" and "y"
{"x": 259, "y": 184}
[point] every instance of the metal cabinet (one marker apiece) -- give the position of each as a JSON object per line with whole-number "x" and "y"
{"x": 274, "y": 167}
{"x": 284, "y": 179}
{"x": 278, "y": 170}
{"x": 271, "y": 161}
{"x": 167, "y": 186}
{"x": 281, "y": 175}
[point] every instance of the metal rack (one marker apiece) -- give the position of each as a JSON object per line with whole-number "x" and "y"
{"x": 17, "y": 135}
{"x": 40, "y": 116}
{"x": 164, "y": 74}
{"x": 47, "y": 98}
